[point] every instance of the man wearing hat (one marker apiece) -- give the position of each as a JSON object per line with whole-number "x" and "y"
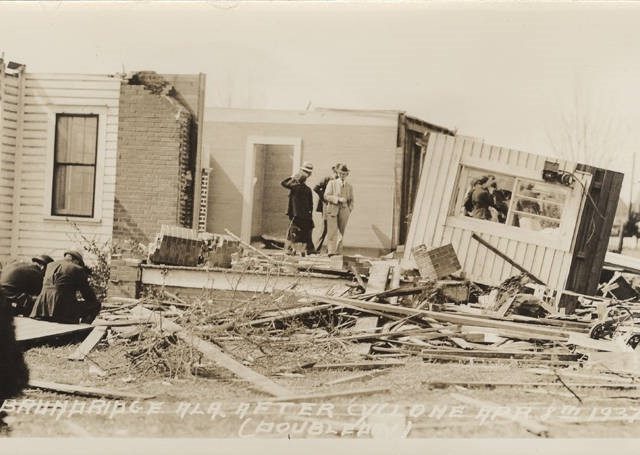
{"x": 319, "y": 189}
{"x": 62, "y": 280}
{"x": 300, "y": 208}
{"x": 21, "y": 283}
{"x": 339, "y": 199}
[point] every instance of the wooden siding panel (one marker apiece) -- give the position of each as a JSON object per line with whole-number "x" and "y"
{"x": 38, "y": 233}
{"x": 481, "y": 265}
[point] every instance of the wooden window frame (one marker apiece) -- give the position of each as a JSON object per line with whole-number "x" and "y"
{"x": 98, "y": 182}
{"x": 57, "y": 164}
{"x": 560, "y": 240}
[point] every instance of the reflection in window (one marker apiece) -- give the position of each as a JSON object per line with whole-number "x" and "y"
{"x": 509, "y": 200}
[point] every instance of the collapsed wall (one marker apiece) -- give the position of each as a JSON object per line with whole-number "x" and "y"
{"x": 156, "y": 159}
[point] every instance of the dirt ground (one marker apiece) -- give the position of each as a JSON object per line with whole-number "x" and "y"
{"x": 221, "y": 406}
{"x": 410, "y": 401}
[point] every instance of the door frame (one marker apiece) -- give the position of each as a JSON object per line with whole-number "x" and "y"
{"x": 248, "y": 187}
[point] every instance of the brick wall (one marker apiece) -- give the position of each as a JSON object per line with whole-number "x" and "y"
{"x": 154, "y": 183}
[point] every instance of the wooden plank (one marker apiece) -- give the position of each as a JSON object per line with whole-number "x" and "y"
{"x": 570, "y": 374}
{"x": 87, "y": 391}
{"x": 526, "y": 384}
{"x": 501, "y": 354}
{"x": 32, "y": 330}
{"x": 215, "y": 354}
{"x": 506, "y": 258}
{"x": 284, "y": 314}
{"x": 530, "y": 425}
{"x": 378, "y": 277}
{"x": 359, "y": 365}
{"x": 395, "y": 281}
{"x": 357, "y": 376}
{"x": 88, "y": 344}
{"x": 357, "y": 276}
{"x": 444, "y": 317}
{"x": 333, "y": 394}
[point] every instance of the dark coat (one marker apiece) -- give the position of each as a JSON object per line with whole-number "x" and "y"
{"x": 14, "y": 374}
{"x": 57, "y": 301}
{"x": 21, "y": 278}
{"x": 481, "y": 202}
{"x": 319, "y": 189}
{"x": 300, "y": 199}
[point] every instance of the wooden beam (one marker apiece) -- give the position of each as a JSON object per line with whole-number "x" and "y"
{"x": 357, "y": 376}
{"x": 360, "y": 365}
{"x": 284, "y": 314}
{"x": 87, "y": 391}
{"x": 444, "y": 317}
{"x": 527, "y": 384}
{"x": 332, "y": 394}
{"x": 357, "y": 276}
{"x": 216, "y": 355}
{"x": 496, "y": 251}
{"x": 88, "y": 344}
{"x": 378, "y": 277}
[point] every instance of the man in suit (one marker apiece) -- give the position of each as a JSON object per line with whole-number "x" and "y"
{"x": 339, "y": 199}
{"x": 319, "y": 189}
{"x": 22, "y": 282}
{"x": 62, "y": 280}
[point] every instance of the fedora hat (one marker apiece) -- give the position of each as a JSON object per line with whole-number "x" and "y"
{"x": 76, "y": 255}
{"x": 307, "y": 167}
{"x": 342, "y": 168}
{"x": 43, "y": 259}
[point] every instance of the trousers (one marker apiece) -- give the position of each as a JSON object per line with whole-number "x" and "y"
{"x": 336, "y": 226}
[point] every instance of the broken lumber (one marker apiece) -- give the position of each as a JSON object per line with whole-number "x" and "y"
{"x": 255, "y": 250}
{"x": 378, "y": 277}
{"x": 570, "y": 374}
{"x": 360, "y": 365}
{"x": 526, "y": 384}
{"x": 341, "y": 393}
{"x": 88, "y": 344}
{"x": 215, "y": 354}
{"x": 357, "y": 277}
{"x": 533, "y": 426}
{"x": 501, "y": 354}
{"x": 87, "y": 391}
{"x": 385, "y": 309}
{"x": 284, "y": 314}
{"x": 355, "y": 377}
{"x": 496, "y": 251}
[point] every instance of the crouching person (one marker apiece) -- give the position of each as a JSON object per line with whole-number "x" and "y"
{"x": 14, "y": 374}
{"x": 22, "y": 283}
{"x": 62, "y": 280}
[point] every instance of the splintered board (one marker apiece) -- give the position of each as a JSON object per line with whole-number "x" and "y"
{"x": 30, "y": 330}
{"x": 378, "y": 276}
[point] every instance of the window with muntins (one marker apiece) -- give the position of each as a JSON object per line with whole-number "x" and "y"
{"x": 74, "y": 165}
{"x": 509, "y": 200}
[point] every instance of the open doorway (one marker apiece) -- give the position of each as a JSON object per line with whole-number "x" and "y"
{"x": 268, "y": 162}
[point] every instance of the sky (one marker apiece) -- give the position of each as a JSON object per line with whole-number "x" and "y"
{"x": 546, "y": 78}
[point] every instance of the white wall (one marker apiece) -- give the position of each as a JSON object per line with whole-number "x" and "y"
{"x": 33, "y": 229}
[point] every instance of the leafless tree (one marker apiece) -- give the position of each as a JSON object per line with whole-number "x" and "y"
{"x": 589, "y": 131}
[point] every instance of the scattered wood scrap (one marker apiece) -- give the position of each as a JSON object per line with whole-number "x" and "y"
{"x": 215, "y": 354}
{"x": 87, "y": 391}
{"x": 88, "y": 344}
